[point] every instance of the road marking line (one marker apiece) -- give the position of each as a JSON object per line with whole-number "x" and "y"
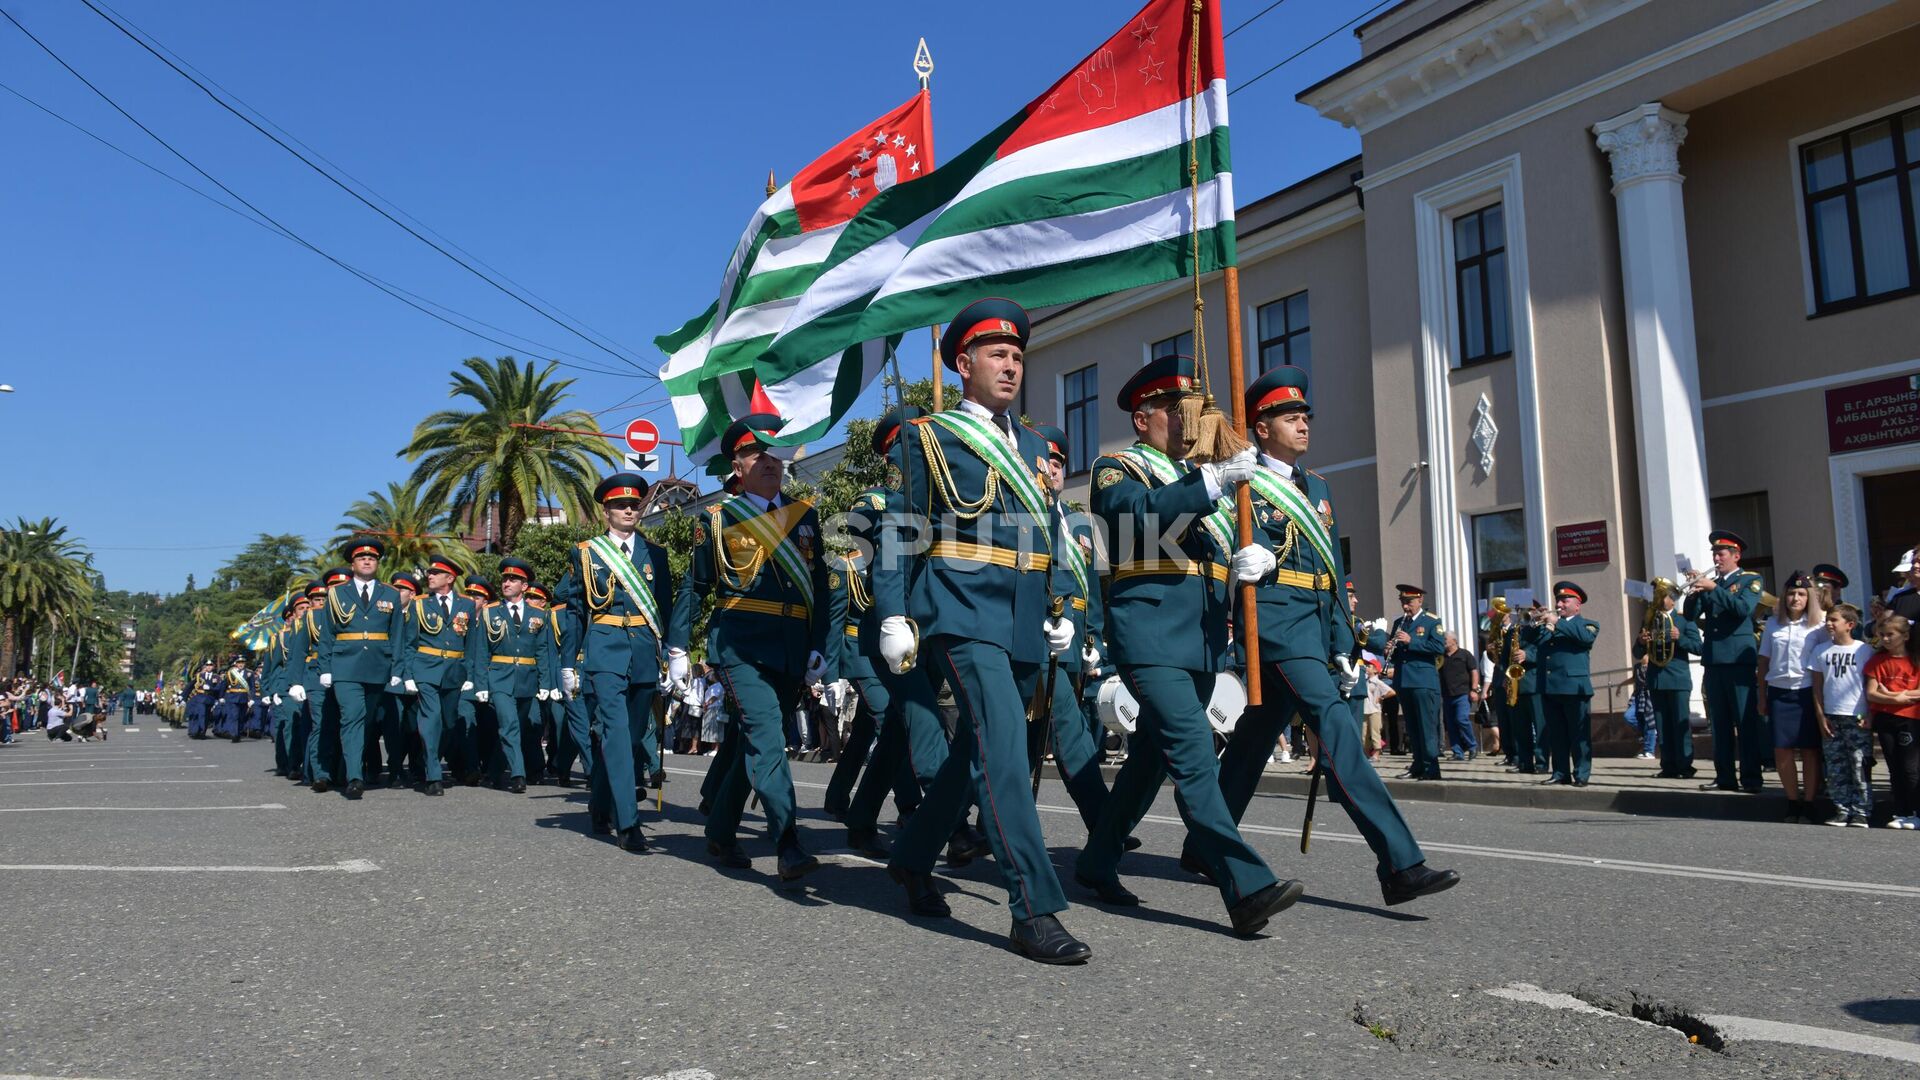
{"x": 116, "y": 768}
{"x": 344, "y": 866}
{"x": 677, "y": 1074}
{"x": 70, "y": 783}
{"x": 138, "y": 809}
{"x": 143, "y": 755}
{"x": 1704, "y": 873}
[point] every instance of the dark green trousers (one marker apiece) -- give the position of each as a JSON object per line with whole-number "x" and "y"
{"x": 725, "y": 754}
{"x": 853, "y": 755}
{"x": 911, "y": 749}
{"x": 988, "y": 760}
{"x": 1569, "y": 736}
{"x": 357, "y": 700}
{"x": 1420, "y": 710}
{"x": 1738, "y": 733}
{"x": 1174, "y": 739}
{"x": 1306, "y": 687}
{"x": 1075, "y": 754}
{"x": 766, "y": 699}
{"x": 1676, "y": 732}
{"x": 617, "y": 707}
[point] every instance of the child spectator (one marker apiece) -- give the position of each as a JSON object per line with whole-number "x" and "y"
{"x": 1893, "y": 695}
{"x": 1839, "y": 701}
{"x": 1377, "y": 692}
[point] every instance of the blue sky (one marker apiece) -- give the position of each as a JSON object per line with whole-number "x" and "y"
{"x": 186, "y": 379}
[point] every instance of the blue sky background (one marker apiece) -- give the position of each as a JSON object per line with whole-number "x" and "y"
{"x": 186, "y": 380}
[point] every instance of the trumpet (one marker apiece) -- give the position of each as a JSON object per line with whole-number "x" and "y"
{"x": 1698, "y": 579}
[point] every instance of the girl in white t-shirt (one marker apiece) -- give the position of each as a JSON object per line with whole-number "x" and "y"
{"x": 1840, "y": 702}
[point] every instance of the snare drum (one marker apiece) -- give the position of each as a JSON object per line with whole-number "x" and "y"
{"x": 1229, "y": 700}
{"x": 1119, "y": 712}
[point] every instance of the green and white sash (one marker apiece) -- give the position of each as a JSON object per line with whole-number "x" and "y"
{"x": 986, "y": 441}
{"x": 1290, "y": 501}
{"x": 774, "y": 532}
{"x": 620, "y": 565}
{"x": 1075, "y": 559}
{"x": 1162, "y": 468}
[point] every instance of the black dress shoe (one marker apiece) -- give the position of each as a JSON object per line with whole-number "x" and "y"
{"x": 1417, "y": 881}
{"x": 706, "y": 807}
{"x": 836, "y": 811}
{"x": 1718, "y": 787}
{"x": 517, "y": 785}
{"x": 732, "y": 856}
{"x": 657, "y": 778}
{"x": 794, "y": 862}
{"x": 967, "y": 844}
{"x": 1579, "y": 783}
{"x": 297, "y": 777}
{"x": 1251, "y": 914}
{"x": 923, "y": 893}
{"x": 1192, "y": 865}
{"x": 472, "y": 779}
{"x": 355, "y": 789}
{"x": 1045, "y": 941}
{"x": 322, "y": 786}
{"x": 601, "y": 826}
{"x": 1109, "y": 892}
{"x": 633, "y": 840}
{"x": 1131, "y": 843}
{"x": 434, "y": 788}
{"x": 866, "y": 843}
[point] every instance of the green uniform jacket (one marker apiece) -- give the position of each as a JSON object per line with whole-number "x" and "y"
{"x": 563, "y": 629}
{"x": 272, "y": 660}
{"x": 349, "y": 656}
{"x": 508, "y": 647}
{"x": 608, "y": 647}
{"x": 1083, "y": 606}
{"x": 1154, "y": 606}
{"x": 972, "y": 583}
{"x": 1301, "y": 621}
{"x": 1565, "y": 652}
{"x": 1725, "y": 616}
{"x": 853, "y": 623}
{"x": 760, "y": 614}
{"x": 1501, "y": 650}
{"x": 1677, "y": 673}
{"x": 1416, "y": 665}
{"x": 303, "y": 652}
{"x": 424, "y": 627}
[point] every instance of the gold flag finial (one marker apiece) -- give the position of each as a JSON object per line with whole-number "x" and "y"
{"x": 771, "y": 186}
{"x": 923, "y": 64}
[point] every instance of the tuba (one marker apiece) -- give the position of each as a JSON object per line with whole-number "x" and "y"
{"x": 1659, "y": 649}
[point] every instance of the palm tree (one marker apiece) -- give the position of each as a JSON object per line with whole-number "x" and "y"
{"x": 411, "y": 527}
{"x": 43, "y": 575}
{"x": 470, "y": 460}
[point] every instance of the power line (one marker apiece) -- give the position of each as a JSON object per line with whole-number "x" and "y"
{"x": 368, "y": 203}
{"x": 266, "y": 220}
{"x": 1250, "y": 22}
{"x": 1300, "y": 53}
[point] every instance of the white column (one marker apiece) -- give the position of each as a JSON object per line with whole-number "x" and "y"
{"x": 1643, "y": 147}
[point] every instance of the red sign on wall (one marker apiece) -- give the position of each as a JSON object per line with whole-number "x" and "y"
{"x": 1584, "y": 544}
{"x": 1884, "y": 412}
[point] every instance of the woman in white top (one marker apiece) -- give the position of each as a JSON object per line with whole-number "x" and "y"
{"x": 1785, "y": 694}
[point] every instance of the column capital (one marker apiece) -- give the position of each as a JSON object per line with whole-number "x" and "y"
{"x": 1643, "y": 143}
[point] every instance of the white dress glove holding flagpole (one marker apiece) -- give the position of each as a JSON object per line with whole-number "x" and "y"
{"x": 1253, "y": 563}
{"x": 1238, "y": 469}
{"x": 297, "y": 693}
{"x": 1349, "y": 675}
{"x": 1059, "y": 631}
{"x": 677, "y": 666}
{"x": 569, "y": 680}
{"x": 896, "y": 642}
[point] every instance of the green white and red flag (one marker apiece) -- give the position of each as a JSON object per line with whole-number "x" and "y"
{"x": 1082, "y": 193}
{"x": 709, "y": 370}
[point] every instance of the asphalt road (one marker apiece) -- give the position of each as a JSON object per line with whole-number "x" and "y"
{"x": 156, "y": 926}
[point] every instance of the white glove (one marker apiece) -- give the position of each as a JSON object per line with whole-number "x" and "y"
{"x": 1237, "y": 469}
{"x": 410, "y": 686}
{"x": 547, "y": 695}
{"x": 816, "y": 667}
{"x": 677, "y": 666}
{"x": 1059, "y": 633}
{"x": 569, "y": 680}
{"x": 1089, "y": 656}
{"x": 481, "y": 696}
{"x": 297, "y": 693}
{"x": 896, "y": 642}
{"x": 1253, "y": 563}
{"x": 1349, "y": 675}
{"x": 393, "y": 680}
{"x": 276, "y": 699}
{"x": 326, "y": 679}
{"x": 466, "y": 686}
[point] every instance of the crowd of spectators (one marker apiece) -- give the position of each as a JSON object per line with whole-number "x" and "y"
{"x": 65, "y": 711}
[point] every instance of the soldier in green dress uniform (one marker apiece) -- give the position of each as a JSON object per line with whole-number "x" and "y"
{"x": 396, "y": 728}
{"x": 1416, "y": 644}
{"x": 1721, "y": 604}
{"x": 1522, "y": 725}
{"x": 515, "y": 645}
{"x": 358, "y": 629}
{"x": 1664, "y": 644}
{"x": 760, "y": 556}
{"x": 303, "y": 683}
{"x": 1164, "y": 588}
{"x": 564, "y": 726}
{"x": 440, "y": 648}
{"x": 1307, "y": 643}
{"x": 1564, "y": 641}
{"x": 620, "y": 588}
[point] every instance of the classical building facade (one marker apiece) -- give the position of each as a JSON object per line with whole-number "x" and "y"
{"x": 1606, "y": 274}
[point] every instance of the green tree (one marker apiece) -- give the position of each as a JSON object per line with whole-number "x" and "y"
{"x": 267, "y": 567}
{"x": 860, "y": 468}
{"x": 413, "y": 528}
{"x": 476, "y": 458}
{"x": 44, "y": 581}
{"x": 549, "y": 549}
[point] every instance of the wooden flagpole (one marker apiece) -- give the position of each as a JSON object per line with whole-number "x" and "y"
{"x": 923, "y": 67}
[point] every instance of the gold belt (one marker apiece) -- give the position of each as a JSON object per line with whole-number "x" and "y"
{"x": 358, "y": 636}
{"x": 1303, "y": 581}
{"x": 1023, "y": 561}
{"x": 763, "y": 607}
{"x": 620, "y": 620}
{"x": 450, "y": 654}
{"x": 514, "y": 660}
{"x": 853, "y": 631}
{"x": 1169, "y": 567}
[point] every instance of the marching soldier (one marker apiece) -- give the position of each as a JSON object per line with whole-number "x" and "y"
{"x": 1665, "y": 645}
{"x": 439, "y": 634}
{"x": 206, "y": 690}
{"x": 1307, "y": 645}
{"x": 759, "y": 556}
{"x": 1154, "y": 605}
{"x": 566, "y": 740}
{"x": 357, "y": 634}
{"x": 617, "y": 587}
{"x": 303, "y": 682}
{"x": 517, "y": 646}
{"x": 1722, "y": 604}
{"x": 395, "y": 729}
{"x": 1564, "y": 640}
{"x": 979, "y": 598}
{"x": 1416, "y": 646}
{"x": 478, "y": 731}
{"x": 275, "y": 672}
{"x": 236, "y": 696}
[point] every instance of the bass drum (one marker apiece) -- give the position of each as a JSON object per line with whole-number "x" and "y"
{"x": 1119, "y": 713}
{"x": 1229, "y": 700}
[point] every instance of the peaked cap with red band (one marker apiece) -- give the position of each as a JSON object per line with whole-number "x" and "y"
{"x": 405, "y": 580}
{"x": 621, "y": 485}
{"x": 479, "y": 588}
{"x": 1284, "y": 389}
{"x": 758, "y": 427}
{"x": 1056, "y": 440}
{"x": 1568, "y": 588}
{"x": 442, "y": 564}
{"x": 1162, "y": 375}
{"x": 992, "y": 317}
{"x": 316, "y": 588}
{"x": 516, "y": 568}
{"x": 364, "y": 545}
{"x": 1723, "y": 538}
{"x": 538, "y": 591}
{"x": 889, "y": 426}
{"x": 337, "y": 575}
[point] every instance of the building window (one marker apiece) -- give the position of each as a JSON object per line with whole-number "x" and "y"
{"x": 1285, "y": 339}
{"x": 1499, "y": 554}
{"x": 1177, "y": 345}
{"x": 1748, "y": 517}
{"x": 1863, "y": 234}
{"x": 1480, "y": 285}
{"x": 1080, "y": 416}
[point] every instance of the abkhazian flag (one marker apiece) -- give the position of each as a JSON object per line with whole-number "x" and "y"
{"x": 1082, "y": 193}
{"x": 709, "y": 369}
